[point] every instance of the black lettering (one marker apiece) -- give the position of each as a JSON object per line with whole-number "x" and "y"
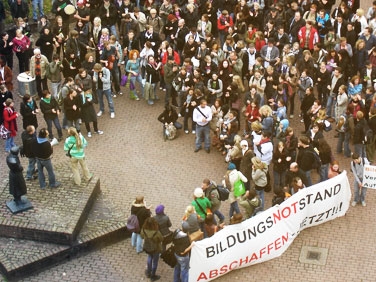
{"x": 221, "y": 247}
{"x": 252, "y": 233}
{"x": 337, "y": 189}
{"x": 244, "y": 237}
{"x": 261, "y": 227}
{"x": 269, "y": 222}
{"x": 309, "y": 198}
{"x": 210, "y": 252}
{"x": 318, "y": 197}
{"x": 302, "y": 203}
{"x": 231, "y": 244}
{"x": 319, "y": 217}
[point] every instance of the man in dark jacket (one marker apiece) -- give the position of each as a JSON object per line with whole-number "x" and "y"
{"x": 28, "y": 138}
{"x": 305, "y": 158}
{"x": 42, "y": 150}
{"x": 211, "y": 192}
{"x": 293, "y": 172}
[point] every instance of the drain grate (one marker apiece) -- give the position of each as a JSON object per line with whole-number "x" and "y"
{"x": 313, "y": 255}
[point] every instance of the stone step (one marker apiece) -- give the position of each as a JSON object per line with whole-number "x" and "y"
{"x": 105, "y": 225}
{"x": 58, "y": 214}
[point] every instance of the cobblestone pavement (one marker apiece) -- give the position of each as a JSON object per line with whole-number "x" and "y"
{"x": 131, "y": 159}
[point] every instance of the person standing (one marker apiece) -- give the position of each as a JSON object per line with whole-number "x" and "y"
{"x": 21, "y": 44}
{"x": 72, "y": 107}
{"x": 37, "y": 5}
{"x": 5, "y": 94}
{"x": 75, "y": 144}
{"x": 51, "y": 111}
{"x": 182, "y": 246}
{"x": 42, "y": 149}
{"x": 142, "y": 212}
{"x": 150, "y": 231}
{"x": 211, "y": 192}
{"x": 10, "y": 123}
{"x": 6, "y": 74}
{"x": 28, "y": 138}
{"x": 357, "y": 167}
{"x": 231, "y": 177}
{"x": 102, "y": 79}
{"x": 38, "y": 68}
{"x": 202, "y": 115}
{"x": 164, "y": 224}
{"x": 29, "y": 111}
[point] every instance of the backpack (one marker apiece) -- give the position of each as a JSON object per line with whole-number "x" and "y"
{"x": 317, "y": 161}
{"x": 60, "y": 98}
{"x": 132, "y": 223}
{"x": 289, "y": 89}
{"x": 223, "y": 192}
{"x": 150, "y": 246}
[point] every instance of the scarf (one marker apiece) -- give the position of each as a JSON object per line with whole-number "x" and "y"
{"x": 31, "y": 104}
{"x": 47, "y": 100}
{"x": 38, "y": 71}
{"x": 87, "y": 96}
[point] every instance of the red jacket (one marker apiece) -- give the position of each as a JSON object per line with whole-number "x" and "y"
{"x": 10, "y": 123}
{"x": 221, "y": 23}
{"x": 313, "y": 37}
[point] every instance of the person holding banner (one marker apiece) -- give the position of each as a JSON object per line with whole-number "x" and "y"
{"x": 357, "y": 167}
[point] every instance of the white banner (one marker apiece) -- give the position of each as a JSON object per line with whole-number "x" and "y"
{"x": 269, "y": 234}
{"x": 369, "y": 176}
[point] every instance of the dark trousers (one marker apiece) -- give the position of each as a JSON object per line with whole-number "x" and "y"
{"x": 41, "y": 85}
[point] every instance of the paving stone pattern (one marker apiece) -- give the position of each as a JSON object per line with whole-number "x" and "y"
{"x": 131, "y": 159}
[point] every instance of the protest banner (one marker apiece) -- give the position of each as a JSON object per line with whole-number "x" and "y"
{"x": 369, "y": 176}
{"x": 270, "y": 233}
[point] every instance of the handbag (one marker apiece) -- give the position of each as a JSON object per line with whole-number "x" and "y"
{"x": 196, "y": 236}
{"x": 124, "y": 80}
{"x": 239, "y": 188}
{"x": 168, "y": 256}
{"x": 4, "y": 132}
{"x": 167, "y": 239}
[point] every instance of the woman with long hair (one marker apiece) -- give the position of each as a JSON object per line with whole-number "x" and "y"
{"x": 325, "y": 154}
{"x": 134, "y": 68}
{"x": 10, "y": 123}
{"x": 29, "y": 110}
{"x": 150, "y": 231}
{"x": 74, "y": 146}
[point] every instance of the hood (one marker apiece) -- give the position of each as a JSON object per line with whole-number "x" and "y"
{"x": 42, "y": 140}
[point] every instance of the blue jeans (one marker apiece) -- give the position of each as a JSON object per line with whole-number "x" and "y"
{"x": 133, "y": 80}
{"x": 359, "y": 149}
{"x": 261, "y": 194}
{"x": 203, "y": 134}
{"x": 56, "y": 122}
{"x": 112, "y": 29}
{"x": 181, "y": 270}
{"x": 108, "y": 95}
{"x": 152, "y": 263}
{"x": 309, "y": 179}
{"x": 31, "y": 168}
{"x": 55, "y": 87}
{"x": 37, "y": 4}
{"x": 76, "y": 124}
{"x": 324, "y": 169}
{"x": 137, "y": 242}
{"x": 9, "y": 143}
{"x": 329, "y": 106}
{"x": 234, "y": 208}
{"x": 279, "y": 179}
{"x": 219, "y": 214}
{"x": 50, "y": 170}
{"x": 359, "y": 195}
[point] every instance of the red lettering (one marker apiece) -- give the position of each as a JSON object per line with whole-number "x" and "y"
{"x": 245, "y": 261}
{"x": 213, "y": 273}
{"x": 254, "y": 257}
{"x": 277, "y": 243}
{"x": 262, "y": 251}
{"x": 231, "y": 264}
{"x": 277, "y": 216}
{"x": 270, "y": 247}
{"x": 285, "y": 238}
{"x": 288, "y": 213}
{"x": 294, "y": 206}
{"x": 223, "y": 269}
{"x": 202, "y": 276}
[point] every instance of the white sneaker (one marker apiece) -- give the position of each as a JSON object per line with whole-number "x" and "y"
{"x": 186, "y": 131}
{"x": 99, "y": 113}
{"x": 89, "y": 134}
{"x": 193, "y": 131}
{"x": 179, "y": 115}
{"x": 364, "y": 204}
{"x": 112, "y": 115}
{"x": 353, "y": 204}
{"x": 100, "y": 132}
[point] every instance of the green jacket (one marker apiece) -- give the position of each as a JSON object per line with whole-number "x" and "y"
{"x": 158, "y": 238}
{"x": 75, "y": 152}
{"x": 204, "y": 203}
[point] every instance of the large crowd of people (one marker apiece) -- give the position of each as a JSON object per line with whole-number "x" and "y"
{"x": 240, "y": 70}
